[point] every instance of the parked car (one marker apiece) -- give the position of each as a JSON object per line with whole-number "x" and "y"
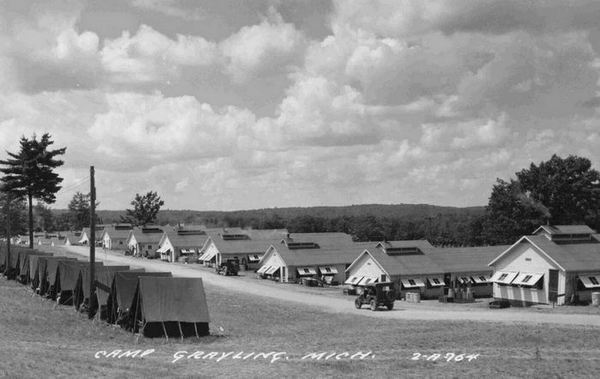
{"x": 377, "y": 295}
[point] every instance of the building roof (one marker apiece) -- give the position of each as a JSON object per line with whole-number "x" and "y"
{"x": 569, "y": 257}
{"x": 565, "y": 229}
{"x": 406, "y": 264}
{"x": 117, "y": 233}
{"x": 185, "y": 241}
{"x": 466, "y": 259}
{"x": 243, "y": 246}
{"x": 342, "y": 254}
{"x": 324, "y": 240}
{"x": 147, "y": 235}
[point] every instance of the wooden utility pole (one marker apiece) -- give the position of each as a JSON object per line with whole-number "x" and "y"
{"x": 92, "y": 241}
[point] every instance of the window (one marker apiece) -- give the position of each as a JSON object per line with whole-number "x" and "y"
{"x": 594, "y": 280}
{"x": 354, "y": 279}
{"x": 327, "y": 269}
{"x": 483, "y": 279}
{"x": 502, "y": 277}
{"x": 306, "y": 271}
{"x": 526, "y": 279}
{"x": 412, "y": 282}
{"x": 435, "y": 281}
{"x": 149, "y": 246}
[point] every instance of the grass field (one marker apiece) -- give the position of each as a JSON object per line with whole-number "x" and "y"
{"x": 40, "y": 338}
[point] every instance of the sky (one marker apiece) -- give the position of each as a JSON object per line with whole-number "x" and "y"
{"x": 232, "y": 104}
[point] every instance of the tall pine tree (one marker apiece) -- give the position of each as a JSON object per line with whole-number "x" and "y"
{"x": 30, "y": 173}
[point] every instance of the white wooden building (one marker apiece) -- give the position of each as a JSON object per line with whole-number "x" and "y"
{"x": 114, "y": 237}
{"x": 558, "y": 264}
{"x": 320, "y": 255}
{"x": 182, "y": 244}
{"x": 143, "y": 241}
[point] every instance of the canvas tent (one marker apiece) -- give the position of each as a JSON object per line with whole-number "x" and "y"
{"x": 169, "y": 307}
{"x": 68, "y": 278}
{"x": 24, "y": 263}
{"x": 104, "y": 279}
{"x": 82, "y": 289}
{"x": 52, "y": 275}
{"x": 122, "y": 291}
{"x": 42, "y": 269}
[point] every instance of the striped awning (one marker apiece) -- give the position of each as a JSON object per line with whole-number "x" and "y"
{"x": 413, "y": 283}
{"x": 504, "y": 277}
{"x": 436, "y": 281}
{"x": 528, "y": 278}
{"x": 262, "y": 269}
{"x": 271, "y": 270}
{"x": 354, "y": 280}
{"x": 590, "y": 281}
{"x": 328, "y": 270}
{"x": 306, "y": 271}
{"x": 480, "y": 279}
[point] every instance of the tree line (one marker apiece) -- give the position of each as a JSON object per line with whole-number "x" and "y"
{"x": 557, "y": 191}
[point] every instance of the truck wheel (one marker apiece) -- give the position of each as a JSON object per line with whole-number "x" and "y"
{"x": 373, "y": 305}
{"x": 390, "y": 306}
{"x": 357, "y": 303}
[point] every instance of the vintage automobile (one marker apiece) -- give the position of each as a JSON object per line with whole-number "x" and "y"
{"x": 229, "y": 267}
{"x": 377, "y": 295}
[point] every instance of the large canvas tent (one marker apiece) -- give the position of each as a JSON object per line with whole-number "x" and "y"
{"x": 43, "y": 263}
{"x": 122, "y": 291}
{"x": 169, "y": 307}
{"x": 104, "y": 279}
{"x": 82, "y": 289}
{"x": 23, "y": 263}
{"x": 68, "y": 278}
{"x": 52, "y": 275}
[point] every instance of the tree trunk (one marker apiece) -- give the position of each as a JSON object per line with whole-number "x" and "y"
{"x": 30, "y": 199}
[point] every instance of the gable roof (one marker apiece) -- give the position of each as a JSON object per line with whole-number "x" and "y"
{"x": 565, "y": 229}
{"x": 116, "y": 232}
{"x": 145, "y": 237}
{"x": 568, "y": 257}
{"x": 466, "y": 259}
{"x": 242, "y": 246}
{"x": 410, "y": 264}
{"x": 183, "y": 241}
{"x": 342, "y": 254}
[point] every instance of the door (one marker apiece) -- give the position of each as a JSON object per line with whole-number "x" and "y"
{"x": 553, "y": 286}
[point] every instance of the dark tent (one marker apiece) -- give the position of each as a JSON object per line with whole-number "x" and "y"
{"x": 3, "y": 251}
{"x": 68, "y": 278}
{"x": 104, "y": 279}
{"x": 11, "y": 270}
{"x": 122, "y": 291}
{"x": 82, "y": 289}
{"x": 44, "y": 274}
{"x": 34, "y": 276}
{"x": 24, "y": 263}
{"x": 169, "y": 307}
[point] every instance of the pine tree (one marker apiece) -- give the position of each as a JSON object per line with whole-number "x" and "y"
{"x": 30, "y": 173}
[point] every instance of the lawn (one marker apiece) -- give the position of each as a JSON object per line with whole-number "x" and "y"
{"x": 40, "y": 338}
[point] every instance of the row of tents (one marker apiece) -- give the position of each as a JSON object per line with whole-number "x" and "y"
{"x": 154, "y": 304}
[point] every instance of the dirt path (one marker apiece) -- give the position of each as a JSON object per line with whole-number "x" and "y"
{"x": 402, "y": 310}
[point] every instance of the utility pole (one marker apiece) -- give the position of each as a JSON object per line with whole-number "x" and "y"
{"x": 92, "y": 241}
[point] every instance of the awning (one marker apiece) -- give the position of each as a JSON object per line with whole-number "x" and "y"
{"x": 436, "y": 281}
{"x": 272, "y": 270}
{"x": 412, "y": 283}
{"x": 463, "y": 279}
{"x": 188, "y": 251}
{"x": 253, "y": 258}
{"x": 302, "y": 271}
{"x": 163, "y": 249}
{"x": 208, "y": 255}
{"x": 367, "y": 280}
{"x": 527, "y": 278}
{"x": 590, "y": 281}
{"x": 503, "y": 277}
{"x": 262, "y": 269}
{"x": 328, "y": 270}
{"x": 481, "y": 279}
{"x": 354, "y": 280}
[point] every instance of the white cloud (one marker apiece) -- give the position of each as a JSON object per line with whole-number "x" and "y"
{"x": 149, "y": 56}
{"x": 269, "y": 46}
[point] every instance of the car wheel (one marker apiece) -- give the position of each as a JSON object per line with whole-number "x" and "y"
{"x": 373, "y": 305}
{"x": 357, "y": 303}
{"x": 390, "y": 306}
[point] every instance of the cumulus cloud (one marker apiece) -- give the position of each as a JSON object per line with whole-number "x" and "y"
{"x": 149, "y": 56}
{"x": 269, "y": 46}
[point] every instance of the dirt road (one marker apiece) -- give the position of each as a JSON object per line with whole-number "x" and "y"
{"x": 402, "y": 310}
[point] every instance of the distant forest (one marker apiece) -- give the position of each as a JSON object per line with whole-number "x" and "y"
{"x": 442, "y": 226}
